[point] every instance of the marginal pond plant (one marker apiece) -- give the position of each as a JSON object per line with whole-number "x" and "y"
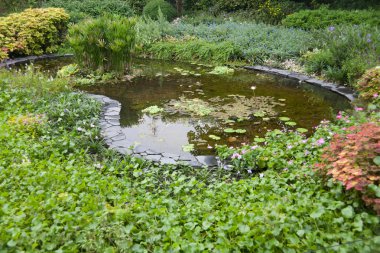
{"x": 104, "y": 44}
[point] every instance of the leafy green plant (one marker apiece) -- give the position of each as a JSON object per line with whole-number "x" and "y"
{"x": 322, "y": 18}
{"x": 104, "y": 44}
{"x": 351, "y": 159}
{"x": 153, "y": 110}
{"x": 341, "y": 51}
{"x": 80, "y": 9}
{"x": 369, "y": 84}
{"x": 154, "y": 8}
{"x": 222, "y": 70}
{"x": 32, "y": 32}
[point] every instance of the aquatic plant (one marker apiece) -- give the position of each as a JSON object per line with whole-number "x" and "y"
{"x": 104, "y": 44}
{"x": 222, "y": 70}
{"x": 152, "y": 110}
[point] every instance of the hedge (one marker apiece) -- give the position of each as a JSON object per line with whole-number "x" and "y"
{"x": 32, "y": 32}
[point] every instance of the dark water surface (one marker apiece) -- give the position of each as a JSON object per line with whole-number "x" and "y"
{"x": 198, "y": 104}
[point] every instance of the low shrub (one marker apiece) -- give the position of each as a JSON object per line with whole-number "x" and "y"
{"x": 344, "y": 53}
{"x": 194, "y": 50}
{"x": 80, "y": 9}
{"x": 255, "y": 42}
{"x": 322, "y": 18}
{"x": 104, "y": 44}
{"x": 353, "y": 159}
{"x": 369, "y": 84}
{"x": 153, "y": 8}
{"x": 32, "y": 32}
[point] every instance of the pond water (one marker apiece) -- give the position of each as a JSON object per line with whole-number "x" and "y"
{"x": 200, "y": 109}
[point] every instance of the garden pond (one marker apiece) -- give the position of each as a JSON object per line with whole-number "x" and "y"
{"x": 189, "y": 108}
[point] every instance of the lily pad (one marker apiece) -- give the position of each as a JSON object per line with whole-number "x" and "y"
{"x": 188, "y": 147}
{"x": 284, "y": 118}
{"x": 153, "y": 110}
{"x": 222, "y": 70}
{"x": 290, "y": 123}
{"x": 302, "y": 130}
{"x": 240, "y": 131}
{"x": 214, "y": 137}
{"x": 229, "y": 130}
{"x": 259, "y": 140}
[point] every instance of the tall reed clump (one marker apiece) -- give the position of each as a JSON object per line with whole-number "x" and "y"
{"x": 104, "y": 44}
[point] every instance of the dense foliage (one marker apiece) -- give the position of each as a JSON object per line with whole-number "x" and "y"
{"x": 254, "y": 43}
{"x": 322, "y": 18}
{"x": 154, "y": 7}
{"x": 61, "y": 191}
{"x": 79, "y": 9}
{"x": 103, "y": 44}
{"x": 32, "y": 32}
{"x": 353, "y": 158}
{"x": 343, "y": 53}
{"x": 369, "y": 85}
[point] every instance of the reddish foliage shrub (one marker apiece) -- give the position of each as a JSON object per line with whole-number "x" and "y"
{"x": 350, "y": 160}
{"x": 369, "y": 84}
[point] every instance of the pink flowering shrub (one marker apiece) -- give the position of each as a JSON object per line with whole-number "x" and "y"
{"x": 369, "y": 84}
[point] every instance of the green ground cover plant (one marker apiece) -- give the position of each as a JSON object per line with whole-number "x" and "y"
{"x": 322, "y": 18}
{"x": 344, "y": 53}
{"x": 61, "y": 190}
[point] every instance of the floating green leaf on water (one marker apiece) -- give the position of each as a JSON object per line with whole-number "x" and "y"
{"x": 188, "y": 147}
{"x": 302, "y": 130}
{"x": 290, "y": 123}
{"x": 284, "y": 118}
{"x": 222, "y": 70}
{"x": 266, "y": 119}
{"x": 153, "y": 110}
{"x": 259, "y": 140}
{"x": 214, "y": 137}
{"x": 259, "y": 114}
{"x": 229, "y": 130}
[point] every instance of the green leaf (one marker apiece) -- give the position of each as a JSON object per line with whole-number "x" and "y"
{"x": 244, "y": 228}
{"x": 376, "y": 160}
{"x": 290, "y": 123}
{"x": 348, "y": 212}
{"x": 229, "y": 130}
{"x": 302, "y": 130}
{"x": 284, "y": 118}
{"x": 214, "y": 137}
{"x": 317, "y": 213}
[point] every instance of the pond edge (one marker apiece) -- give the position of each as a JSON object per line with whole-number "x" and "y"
{"x": 114, "y": 137}
{"x": 339, "y": 89}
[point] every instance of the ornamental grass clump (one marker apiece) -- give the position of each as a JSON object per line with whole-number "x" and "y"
{"x": 353, "y": 159}
{"x": 104, "y": 44}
